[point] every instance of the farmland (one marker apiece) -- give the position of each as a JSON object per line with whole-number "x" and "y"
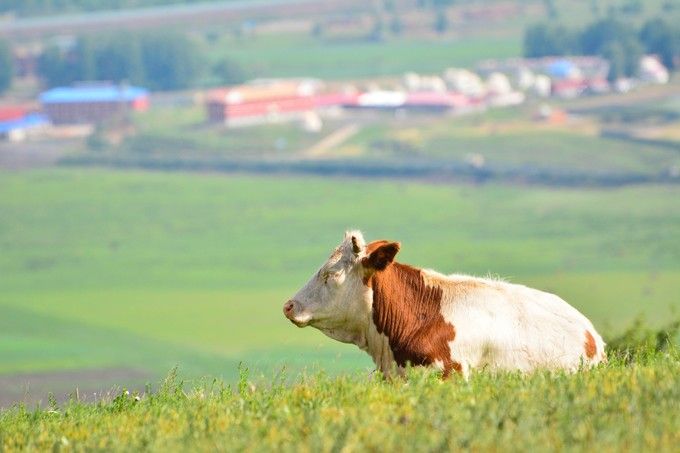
{"x": 147, "y": 270}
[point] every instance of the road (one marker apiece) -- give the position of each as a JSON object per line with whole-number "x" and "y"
{"x": 198, "y": 13}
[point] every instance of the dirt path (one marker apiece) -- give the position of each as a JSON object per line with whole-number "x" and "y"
{"x": 331, "y": 141}
{"x": 643, "y": 95}
{"x": 21, "y": 156}
{"x": 89, "y": 384}
{"x": 197, "y": 14}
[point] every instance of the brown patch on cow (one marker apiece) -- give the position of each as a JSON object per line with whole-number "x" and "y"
{"x": 590, "y": 346}
{"x": 407, "y": 311}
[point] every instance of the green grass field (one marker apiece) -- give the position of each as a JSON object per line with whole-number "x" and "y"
{"x": 513, "y": 143}
{"x": 302, "y": 55}
{"x": 147, "y": 270}
{"x": 616, "y": 407}
{"x": 187, "y": 132}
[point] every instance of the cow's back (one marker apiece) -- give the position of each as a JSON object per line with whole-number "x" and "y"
{"x": 506, "y": 326}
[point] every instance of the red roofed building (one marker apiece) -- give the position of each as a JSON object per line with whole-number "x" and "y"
{"x": 433, "y": 101}
{"x": 268, "y": 101}
{"x": 9, "y": 113}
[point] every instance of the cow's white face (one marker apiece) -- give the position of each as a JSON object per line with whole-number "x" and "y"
{"x": 336, "y": 300}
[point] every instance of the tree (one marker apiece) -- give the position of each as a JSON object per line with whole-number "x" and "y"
{"x": 59, "y": 67}
{"x": 611, "y": 38}
{"x": 543, "y": 40}
{"x": 162, "y": 61}
{"x": 317, "y": 30}
{"x": 171, "y": 61}
{"x": 551, "y": 9}
{"x": 597, "y": 35}
{"x": 396, "y": 25}
{"x": 660, "y": 37}
{"x": 229, "y": 72}
{"x": 119, "y": 58}
{"x": 378, "y": 30}
{"x": 6, "y": 66}
{"x": 86, "y": 50}
{"x": 441, "y": 22}
{"x": 614, "y": 53}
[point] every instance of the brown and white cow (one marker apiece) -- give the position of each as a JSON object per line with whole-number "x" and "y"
{"x": 400, "y": 314}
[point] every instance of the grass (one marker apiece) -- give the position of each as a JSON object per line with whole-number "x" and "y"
{"x": 506, "y": 138}
{"x": 303, "y": 55}
{"x": 102, "y": 268}
{"x": 507, "y": 143}
{"x": 612, "y": 408}
{"x": 171, "y": 132}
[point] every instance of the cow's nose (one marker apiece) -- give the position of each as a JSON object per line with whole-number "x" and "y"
{"x": 288, "y": 308}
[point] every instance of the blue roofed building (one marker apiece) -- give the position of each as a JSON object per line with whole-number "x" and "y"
{"x": 88, "y": 104}
{"x": 17, "y": 123}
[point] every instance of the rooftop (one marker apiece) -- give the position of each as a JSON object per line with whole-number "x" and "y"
{"x": 95, "y": 93}
{"x": 30, "y": 120}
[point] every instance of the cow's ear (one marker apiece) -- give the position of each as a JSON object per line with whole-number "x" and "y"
{"x": 381, "y": 257}
{"x": 356, "y": 246}
{"x": 356, "y": 242}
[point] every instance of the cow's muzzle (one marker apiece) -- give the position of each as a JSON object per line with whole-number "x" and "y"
{"x": 289, "y": 309}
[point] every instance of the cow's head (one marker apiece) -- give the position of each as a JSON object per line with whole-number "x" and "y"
{"x": 337, "y": 299}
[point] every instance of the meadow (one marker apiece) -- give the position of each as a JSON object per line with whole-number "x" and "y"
{"x": 108, "y": 279}
{"x": 140, "y": 270}
{"x": 282, "y": 55}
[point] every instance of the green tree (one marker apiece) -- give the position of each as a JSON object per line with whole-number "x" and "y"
{"x": 658, "y": 36}
{"x": 441, "y": 22}
{"x": 543, "y": 40}
{"x": 6, "y": 66}
{"x": 118, "y": 58}
{"x": 616, "y": 56}
{"x": 611, "y": 38}
{"x": 600, "y": 33}
{"x": 396, "y": 25}
{"x": 551, "y": 9}
{"x": 59, "y": 67}
{"x": 229, "y": 72}
{"x": 87, "y": 64}
{"x": 171, "y": 61}
{"x": 378, "y": 30}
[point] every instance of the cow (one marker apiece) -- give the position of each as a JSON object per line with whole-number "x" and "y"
{"x": 402, "y": 315}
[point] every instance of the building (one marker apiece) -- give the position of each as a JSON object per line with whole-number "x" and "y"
{"x": 17, "y": 123}
{"x": 652, "y": 70}
{"x": 267, "y": 101}
{"x": 88, "y": 104}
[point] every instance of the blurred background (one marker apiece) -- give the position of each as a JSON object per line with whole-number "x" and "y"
{"x": 172, "y": 171}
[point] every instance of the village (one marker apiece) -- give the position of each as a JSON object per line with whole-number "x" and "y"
{"x": 76, "y": 110}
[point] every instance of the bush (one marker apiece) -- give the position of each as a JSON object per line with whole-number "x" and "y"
{"x": 6, "y": 66}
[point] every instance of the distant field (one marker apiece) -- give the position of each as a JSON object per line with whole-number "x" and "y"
{"x": 306, "y": 56}
{"x": 515, "y": 143}
{"x": 146, "y": 270}
{"x": 506, "y": 139}
{"x": 186, "y": 132}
